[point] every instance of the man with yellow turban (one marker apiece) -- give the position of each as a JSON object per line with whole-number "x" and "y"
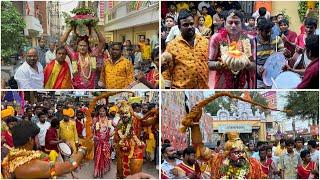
{"x": 68, "y": 129}
{"x": 7, "y": 112}
{"x": 234, "y": 163}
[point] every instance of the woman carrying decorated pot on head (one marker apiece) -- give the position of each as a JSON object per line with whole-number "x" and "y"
{"x": 83, "y": 59}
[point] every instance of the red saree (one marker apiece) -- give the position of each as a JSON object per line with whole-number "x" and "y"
{"x": 8, "y": 138}
{"x": 102, "y": 163}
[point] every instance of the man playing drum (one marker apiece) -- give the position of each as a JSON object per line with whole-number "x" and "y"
{"x": 267, "y": 44}
{"x": 311, "y": 75}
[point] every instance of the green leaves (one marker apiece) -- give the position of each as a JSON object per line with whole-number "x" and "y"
{"x": 12, "y": 26}
{"x": 82, "y": 10}
{"x": 304, "y": 104}
{"x": 90, "y": 22}
{"x": 302, "y": 10}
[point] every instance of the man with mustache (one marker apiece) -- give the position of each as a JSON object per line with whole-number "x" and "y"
{"x": 289, "y": 162}
{"x": 169, "y": 154}
{"x": 189, "y": 168}
{"x": 30, "y": 74}
{"x": 233, "y": 163}
{"x": 187, "y": 68}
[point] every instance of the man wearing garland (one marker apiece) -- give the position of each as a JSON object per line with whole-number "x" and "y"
{"x": 23, "y": 162}
{"x": 129, "y": 149}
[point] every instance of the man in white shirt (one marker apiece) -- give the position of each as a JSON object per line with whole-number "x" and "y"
{"x": 44, "y": 126}
{"x": 170, "y": 161}
{"x": 262, "y": 11}
{"x": 30, "y": 74}
{"x": 175, "y": 31}
{"x": 312, "y": 147}
{"x": 50, "y": 54}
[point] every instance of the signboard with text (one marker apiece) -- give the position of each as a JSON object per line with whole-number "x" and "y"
{"x": 241, "y": 128}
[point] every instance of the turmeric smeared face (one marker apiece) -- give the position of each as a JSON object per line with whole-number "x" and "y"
{"x": 233, "y": 24}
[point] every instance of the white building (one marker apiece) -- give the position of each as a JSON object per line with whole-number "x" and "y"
{"x": 130, "y": 20}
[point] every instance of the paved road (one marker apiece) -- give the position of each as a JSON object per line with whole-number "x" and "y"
{"x": 86, "y": 171}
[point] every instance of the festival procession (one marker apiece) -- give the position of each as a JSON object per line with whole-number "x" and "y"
{"x": 79, "y": 135}
{"x": 240, "y": 44}
{"x": 79, "y": 45}
{"x": 240, "y": 135}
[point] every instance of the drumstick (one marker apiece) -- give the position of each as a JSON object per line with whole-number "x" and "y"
{"x": 274, "y": 83}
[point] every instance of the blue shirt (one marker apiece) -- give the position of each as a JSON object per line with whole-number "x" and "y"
{"x": 275, "y": 31}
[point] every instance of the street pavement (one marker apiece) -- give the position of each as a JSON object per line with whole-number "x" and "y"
{"x": 86, "y": 171}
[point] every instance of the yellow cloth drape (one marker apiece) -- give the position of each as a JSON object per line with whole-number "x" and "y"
{"x": 53, "y": 76}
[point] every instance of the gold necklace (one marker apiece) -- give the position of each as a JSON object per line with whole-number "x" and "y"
{"x": 84, "y": 62}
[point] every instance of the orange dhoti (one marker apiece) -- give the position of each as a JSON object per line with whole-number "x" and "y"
{"x": 128, "y": 164}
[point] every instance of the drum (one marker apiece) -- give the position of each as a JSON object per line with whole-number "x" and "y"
{"x": 65, "y": 149}
{"x": 137, "y": 85}
{"x": 287, "y": 80}
{"x": 273, "y": 67}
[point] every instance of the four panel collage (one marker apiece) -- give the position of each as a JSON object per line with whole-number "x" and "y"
{"x": 159, "y": 89}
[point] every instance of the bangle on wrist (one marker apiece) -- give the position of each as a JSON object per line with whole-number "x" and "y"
{"x": 73, "y": 163}
{"x": 52, "y": 170}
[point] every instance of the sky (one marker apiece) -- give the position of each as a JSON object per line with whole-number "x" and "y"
{"x": 67, "y": 6}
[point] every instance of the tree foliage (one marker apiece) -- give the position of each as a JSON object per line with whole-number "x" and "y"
{"x": 304, "y": 104}
{"x": 12, "y": 25}
{"x": 213, "y": 107}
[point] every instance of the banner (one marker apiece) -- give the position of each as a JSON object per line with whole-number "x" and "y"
{"x": 241, "y": 128}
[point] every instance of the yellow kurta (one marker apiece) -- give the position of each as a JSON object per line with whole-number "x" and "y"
{"x": 189, "y": 67}
{"x": 118, "y": 75}
{"x": 146, "y": 53}
{"x": 68, "y": 132}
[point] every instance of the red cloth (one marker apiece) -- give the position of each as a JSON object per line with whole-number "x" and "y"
{"x": 8, "y": 138}
{"x": 51, "y": 135}
{"x": 78, "y": 81}
{"x": 300, "y": 41}
{"x": 81, "y": 83}
{"x": 79, "y": 127}
{"x": 187, "y": 169}
{"x": 164, "y": 175}
{"x": 304, "y": 172}
{"x": 224, "y": 78}
{"x": 102, "y": 151}
{"x": 61, "y": 76}
{"x": 266, "y": 166}
{"x": 291, "y": 36}
{"x": 311, "y": 76}
{"x": 151, "y": 77}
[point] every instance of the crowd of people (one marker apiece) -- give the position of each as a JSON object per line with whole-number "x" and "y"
{"x": 83, "y": 65}
{"x": 281, "y": 159}
{"x": 218, "y": 45}
{"x": 125, "y": 131}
